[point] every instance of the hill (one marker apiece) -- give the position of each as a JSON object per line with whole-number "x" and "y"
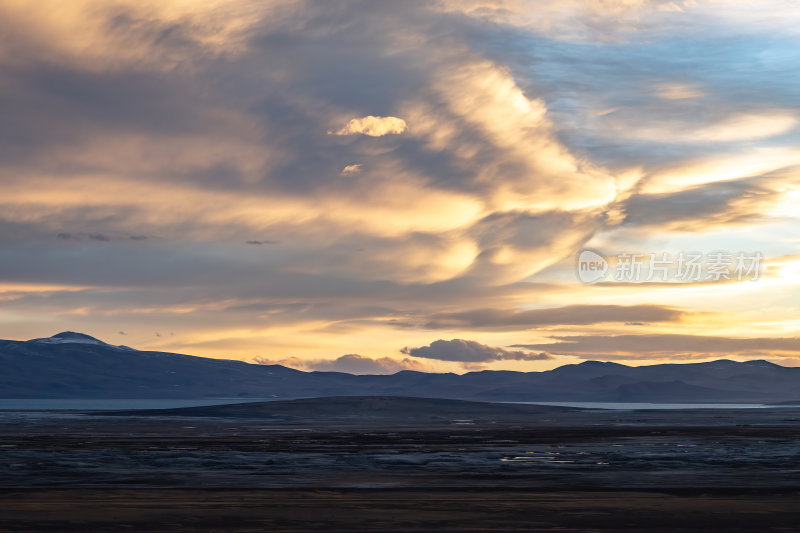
{"x": 75, "y": 365}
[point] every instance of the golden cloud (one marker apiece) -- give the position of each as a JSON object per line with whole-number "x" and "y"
{"x": 373, "y": 126}
{"x": 477, "y": 112}
{"x": 350, "y": 170}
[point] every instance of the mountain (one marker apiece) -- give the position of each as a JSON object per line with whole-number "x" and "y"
{"x": 75, "y": 365}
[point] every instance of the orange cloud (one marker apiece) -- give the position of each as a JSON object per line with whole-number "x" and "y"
{"x": 373, "y": 126}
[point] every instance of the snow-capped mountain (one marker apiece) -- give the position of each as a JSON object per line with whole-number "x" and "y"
{"x": 70, "y": 337}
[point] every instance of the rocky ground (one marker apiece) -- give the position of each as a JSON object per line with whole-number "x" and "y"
{"x": 400, "y": 465}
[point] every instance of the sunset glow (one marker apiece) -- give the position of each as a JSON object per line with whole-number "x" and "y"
{"x": 298, "y": 181}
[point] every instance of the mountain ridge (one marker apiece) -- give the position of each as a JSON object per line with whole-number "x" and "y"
{"x": 76, "y": 365}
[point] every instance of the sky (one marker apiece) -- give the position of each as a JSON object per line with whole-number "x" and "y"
{"x": 373, "y": 186}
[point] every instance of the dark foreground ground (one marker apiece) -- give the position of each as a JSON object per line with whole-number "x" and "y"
{"x": 84, "y": 510}
{"x": 387, "y": 464}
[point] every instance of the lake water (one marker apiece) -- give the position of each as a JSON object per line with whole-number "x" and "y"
{"x": 641, "y": 406}
{"x": 101, "y": 405}
{"x": 106, "y": 405}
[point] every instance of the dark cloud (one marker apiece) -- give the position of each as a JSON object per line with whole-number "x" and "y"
{"x": 666, "y": 346}
{"x": 568, "y": 315}
{"x": 98, "y": 237}
{"x": 714, "y": 204}
{"x": 466, "y": 351}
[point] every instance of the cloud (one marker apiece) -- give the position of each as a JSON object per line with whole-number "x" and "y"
{"x": 358, "y": 364}
{"x": 466, "y": 351}
{"x": 350, "y": 364}
{"x": 713, "y": 205}
{"x": 678, "y": 91}
{"x": 98, "y": 237}
{"x": 478, "y": 114}
{"x": 667, "y": 346}
{"x": 373, "y": 126}
{"x": 712, "y": 169}
{"x": 206, "y": 127}
{"x": 510, "y": 319}
{"x": 624, "y": 21}
{"x": 517, "y": 244}
{"x": 734, "y": 127}
{"x": 350, "y": 170}
{"x": 608, "y": 21}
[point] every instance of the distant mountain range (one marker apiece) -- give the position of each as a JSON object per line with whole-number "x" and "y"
{"x": 74, "y": 365}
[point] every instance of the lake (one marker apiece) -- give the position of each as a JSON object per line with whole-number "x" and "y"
{"x": 642, "y": 406}
{"x": 121, "y": 404}
{"x": 104, "y": 405}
